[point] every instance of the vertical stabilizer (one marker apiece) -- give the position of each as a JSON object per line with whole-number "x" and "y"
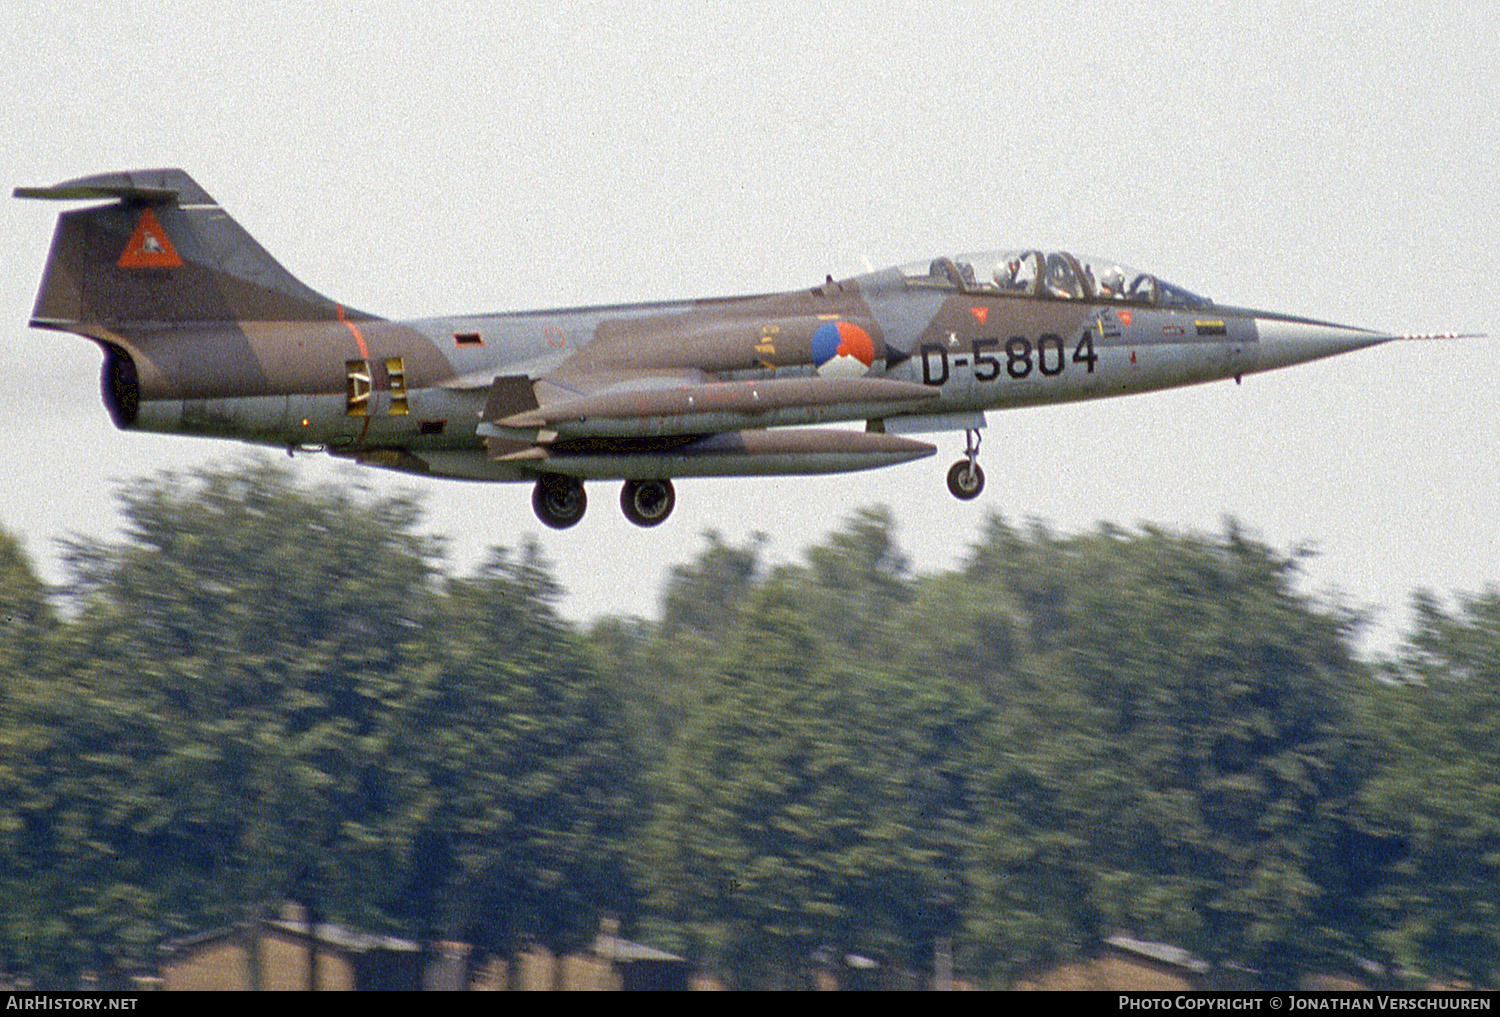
{"x": 161, "y": 253}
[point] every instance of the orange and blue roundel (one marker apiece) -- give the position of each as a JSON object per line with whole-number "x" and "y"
{"x": 842, "y": 348}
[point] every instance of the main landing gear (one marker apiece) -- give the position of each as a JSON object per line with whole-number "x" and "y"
{"x": 559, "y": 501}
{"x": 647, "y": 502}
{"x": 965, "y": 478}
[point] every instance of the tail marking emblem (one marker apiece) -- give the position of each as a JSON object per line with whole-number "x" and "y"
{"x": 149, "y": 246}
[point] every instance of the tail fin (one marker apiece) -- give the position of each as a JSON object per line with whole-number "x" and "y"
{"x": 162, "y": 253}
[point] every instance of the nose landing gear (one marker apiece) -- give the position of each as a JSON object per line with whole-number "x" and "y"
{"x": 965, "y": 478}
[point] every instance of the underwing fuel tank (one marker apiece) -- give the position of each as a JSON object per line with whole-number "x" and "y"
{"x": 729, "y": 454}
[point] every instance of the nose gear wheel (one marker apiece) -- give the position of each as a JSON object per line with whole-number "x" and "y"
{"x": 965, "y": 478}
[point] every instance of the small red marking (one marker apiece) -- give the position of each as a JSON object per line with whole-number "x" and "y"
{"x": 980, "y": 313}
{"x": 1132, "y": 356}
{"x": 149, "y": 246}
{"x": 554, "y": 336}
{"x": 1125, "y": 317}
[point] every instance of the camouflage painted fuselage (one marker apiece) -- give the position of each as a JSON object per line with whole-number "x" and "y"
{"x": 206, "y": 334}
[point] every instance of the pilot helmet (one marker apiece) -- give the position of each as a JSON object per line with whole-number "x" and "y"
{"x": 1112, "y": 278}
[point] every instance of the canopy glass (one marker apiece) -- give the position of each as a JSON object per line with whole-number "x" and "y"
{"x": 1055, "y": 275}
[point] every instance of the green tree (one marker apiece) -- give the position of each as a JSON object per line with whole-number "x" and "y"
{"x": 1170, "y": 773}
{"x": 765, "y": 803}
{"x": 28, "y": 671}
{"x": 919, "y": 740}
{"x": 859, "y": 579}
{"x": 27, "y": 619}
{"x": 226, "y": 730}
{"x": 820, "y": 797}
{"x": 1435, "y": 792}
{"x": 657, "y": 667}
{"x": 703, "y": 595}
{"x": 538, "y": 792}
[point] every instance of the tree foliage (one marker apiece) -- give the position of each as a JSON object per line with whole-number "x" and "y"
{"x": 1433, "y": 796}
{"x": 264, "y": 692}
{"x": 1190, "y": 741}
{"x": 535, "y": 785}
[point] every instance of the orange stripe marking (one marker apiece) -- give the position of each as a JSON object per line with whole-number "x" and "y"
{"x": 364, "y": 351}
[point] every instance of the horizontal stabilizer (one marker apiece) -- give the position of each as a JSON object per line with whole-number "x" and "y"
{"x": 64, "y": 192}
{"x": 151, "y": 186}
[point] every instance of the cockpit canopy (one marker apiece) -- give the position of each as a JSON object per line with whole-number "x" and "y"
{"x": 1057, "y": 275}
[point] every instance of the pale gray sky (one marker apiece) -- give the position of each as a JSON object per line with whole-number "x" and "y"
{"x": 1326, "y": 158}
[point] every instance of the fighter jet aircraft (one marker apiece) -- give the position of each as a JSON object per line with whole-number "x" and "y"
{"x": 204, "y": 333}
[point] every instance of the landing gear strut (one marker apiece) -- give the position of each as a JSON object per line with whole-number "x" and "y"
{"x": 647, "y": 502}
{"x": 559, "y": 501}
{"x": 965, "y": 478}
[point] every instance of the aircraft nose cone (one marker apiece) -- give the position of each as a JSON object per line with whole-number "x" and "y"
{"x": 1283, "y": 342}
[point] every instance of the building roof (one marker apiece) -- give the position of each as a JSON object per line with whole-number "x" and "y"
{"x": 624, "y": 951}
{"x": 347, "y": 939}
{"x": 1162, "y": 953}
{"x": 326, "y": 934}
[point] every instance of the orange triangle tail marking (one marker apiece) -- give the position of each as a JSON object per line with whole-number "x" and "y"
{"x": 149, "y": 246}
{"x": 980, "y": 313}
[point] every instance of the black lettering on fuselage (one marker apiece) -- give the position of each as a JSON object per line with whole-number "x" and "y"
{"x": 928, "y": 349}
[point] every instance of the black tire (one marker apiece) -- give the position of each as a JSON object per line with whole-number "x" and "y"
{"x": 647, "y": 502}
{"x": 558, "y": 501}
{"x": 965, "y": 480}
